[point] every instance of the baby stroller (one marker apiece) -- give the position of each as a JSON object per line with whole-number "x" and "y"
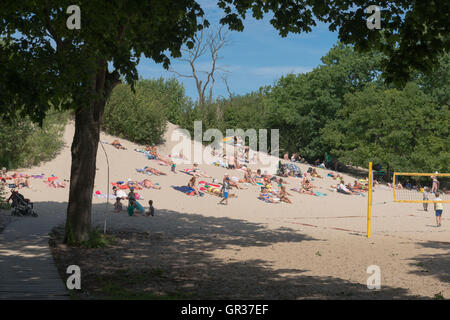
{"x": 21, "y": 206}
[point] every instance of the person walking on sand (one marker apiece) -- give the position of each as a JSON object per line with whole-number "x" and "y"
{"x": 225, "y": 190}
{"x": 426, "y": 195}
{"x": 438, "y": 208}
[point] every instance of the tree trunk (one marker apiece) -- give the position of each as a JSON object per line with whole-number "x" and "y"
{"x": 82, "y": 175}
{"x": 84, "y": 156}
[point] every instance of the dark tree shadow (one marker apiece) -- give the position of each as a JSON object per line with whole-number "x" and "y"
{"x": 435, "y": 265}
{"x": 176, "y": 252}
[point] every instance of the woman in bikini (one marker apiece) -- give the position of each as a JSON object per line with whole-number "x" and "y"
{"x": 146, "y": 183}
{"x": 155, "y": 171}
{"x": 283, "y": 195}
{"x": 248, "y": 176}
{"x": 192, "y": 185}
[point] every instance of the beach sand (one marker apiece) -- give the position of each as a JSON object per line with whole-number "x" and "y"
{"x": 313, "y": 248}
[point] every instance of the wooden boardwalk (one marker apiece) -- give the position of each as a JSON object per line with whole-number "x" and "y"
{"x": 27, "y": 268}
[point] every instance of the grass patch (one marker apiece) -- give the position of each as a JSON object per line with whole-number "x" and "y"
{"x": 438, "y": 296}
{"x": 127, "y": 285}
{"x": 97, "y": 239}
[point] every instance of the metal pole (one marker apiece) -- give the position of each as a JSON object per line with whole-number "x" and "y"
{"x": 369, "y": 203}
{"x": 107, "y": 189}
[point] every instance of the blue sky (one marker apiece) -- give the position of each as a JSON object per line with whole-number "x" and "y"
{"x": 256, "y": 57}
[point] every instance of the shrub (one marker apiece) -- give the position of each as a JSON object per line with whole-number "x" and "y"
{"x": 25, "y": 144}
{"x": 137, "y": 117}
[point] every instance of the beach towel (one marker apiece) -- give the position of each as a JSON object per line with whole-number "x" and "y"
{"x": 186, "y": 190}
{"x": 125, "y": 186}
{"x": 320, "y": 194}
{"x": 144, "y": 172}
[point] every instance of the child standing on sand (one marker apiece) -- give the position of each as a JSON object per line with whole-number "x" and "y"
{"x": 173, "y": 167}
{"x": 438, "y": 208}
{"x": 118, "y": 205}
{"x": 151, "y": 209}
{"x": 225, "y": 189}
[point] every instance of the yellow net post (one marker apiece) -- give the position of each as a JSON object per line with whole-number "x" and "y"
{"x": 369, "y": 203}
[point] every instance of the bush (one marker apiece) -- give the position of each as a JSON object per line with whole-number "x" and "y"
{"x": 138, "y": 117}
{"x": 97, "y": 240}
{"x": 25, "y": 144}
{"x": 3, "y": 196}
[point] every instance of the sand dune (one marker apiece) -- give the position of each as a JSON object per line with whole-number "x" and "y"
{"x": 402, "y": 233}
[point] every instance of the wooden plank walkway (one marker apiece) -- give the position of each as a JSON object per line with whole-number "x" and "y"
{"x": 27, "y": 268}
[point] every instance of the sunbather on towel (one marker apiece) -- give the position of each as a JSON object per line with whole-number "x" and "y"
{"x": 146, "y": 183}
{"x": 343, "y": 189}
{"x": 117, "y": 144}
{"x": 154, "y": 171}
{"x": 55, "y": 182}
{"x": 315, "y": 174}
{"x": 198, "y": 173}
{"x": 266, "y": 196}
{"x": 23, "y": 182}
{"x": 192, "y": 185}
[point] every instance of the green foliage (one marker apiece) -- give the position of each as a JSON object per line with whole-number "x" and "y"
{"x": 141, "y": 116}
{"x": 170, "y": 93}
{"x": 439, "y": 296}
{"x": 300, "y": 105}
{"x": 97, "y": 239}
{"x": 3, "y": 197}
{"x": 343, "y": 108}
{"x": 400, "y": 129}
{"x": 25, "y": 144}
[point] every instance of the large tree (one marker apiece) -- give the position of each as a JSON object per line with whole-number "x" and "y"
{"x": 43, "y": 61}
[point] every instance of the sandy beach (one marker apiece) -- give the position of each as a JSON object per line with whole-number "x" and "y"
{"x": 315, "y": 247}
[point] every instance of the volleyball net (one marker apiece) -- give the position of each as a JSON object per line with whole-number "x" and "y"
{"x": 421, "y": 187}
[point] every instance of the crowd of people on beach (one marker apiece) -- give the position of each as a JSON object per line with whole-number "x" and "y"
{"x": 272, "y": 188}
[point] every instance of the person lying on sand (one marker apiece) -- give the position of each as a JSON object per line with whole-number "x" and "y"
{"x": 234, "y": 183}
{"x": 315, "y": 174}
{"x": 23, "y": 182}
{"x": 117, "y": 144}
{"x": 154, "y": 171}
{"x": 192, "y": 185}
{"x": 342, "y": 188}
{"x": 165, "y": 161}
{"x": 198, "y": 173}
{"x": 55, "y": 182}
{"x": 266, "y": 196}
{"x": 132, "y": 184}
{"x": 146, "y": 183}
